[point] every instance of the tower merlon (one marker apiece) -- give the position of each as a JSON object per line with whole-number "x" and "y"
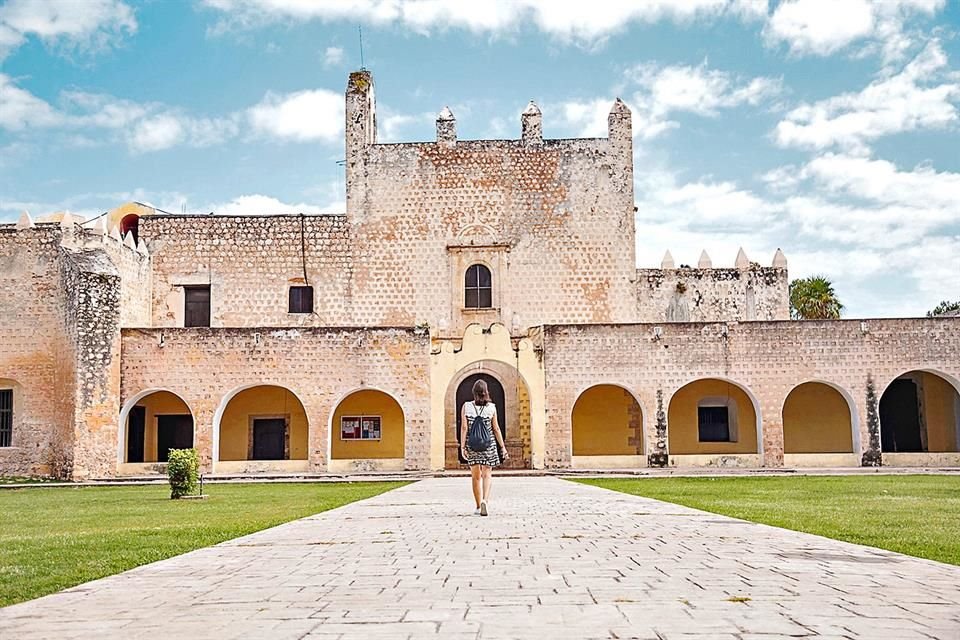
{"x": 25, "y": 221}
{"x": 446, "y": 128}
{"x": 531, "y": 125}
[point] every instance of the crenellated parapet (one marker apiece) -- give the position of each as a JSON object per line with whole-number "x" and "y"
{"x": 746, "y": 291}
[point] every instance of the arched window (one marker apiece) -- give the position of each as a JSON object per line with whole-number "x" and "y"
{"x": 477, "y": 288}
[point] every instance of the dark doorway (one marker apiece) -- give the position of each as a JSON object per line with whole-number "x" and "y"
{"x": 173, "y": 432}
{"x": 269, "y": 435}
{"x": 900, "y": 417}
{"x": 130, "y": 224}
{"x": 136, "y": 425}
{"x": 465, "y": 394}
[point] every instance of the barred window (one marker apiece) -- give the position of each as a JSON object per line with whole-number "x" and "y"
{"x": 477, "y": 288}
{"x": 6, "y": 417}
{"x": 713, "y": 424}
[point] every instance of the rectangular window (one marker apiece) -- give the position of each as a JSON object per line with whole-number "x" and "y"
{"x": 714, "y": 424}
{"x": 196, "y": 311}
{"x": 6, "y": 418}
{"x": 360, "y": 428}
{"x": 301, "y": 300}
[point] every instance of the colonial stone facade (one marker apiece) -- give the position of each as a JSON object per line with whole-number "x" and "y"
{"x": 345, "y": 343}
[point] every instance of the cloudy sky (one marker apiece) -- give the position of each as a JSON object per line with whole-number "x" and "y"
{"x": 829, "y": 128}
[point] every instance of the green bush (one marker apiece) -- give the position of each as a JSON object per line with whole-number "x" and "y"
{"x": 183, "y": 468}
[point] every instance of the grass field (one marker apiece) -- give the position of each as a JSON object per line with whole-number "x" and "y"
{"x": 53, "y": 538}
{"x": 914, "y": 514}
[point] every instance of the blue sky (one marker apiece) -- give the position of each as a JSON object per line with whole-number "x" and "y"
{"x": 829, "y": 128}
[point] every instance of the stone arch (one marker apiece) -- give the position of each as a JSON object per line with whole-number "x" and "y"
{"x": 130, "y": 223}
{"x": 249, "y": 424}
{"x": 819, "y": 417}
{"x": 919, "y": 412}
{"x": 684, "y": 430}
{"x": 515, "y": 414}
{"x": 607, "y": 419}
{"x": 150, "y": 407}
{"x": 386, "y": 453}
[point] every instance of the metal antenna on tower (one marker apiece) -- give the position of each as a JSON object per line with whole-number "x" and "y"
{"x": 360, "y": 30}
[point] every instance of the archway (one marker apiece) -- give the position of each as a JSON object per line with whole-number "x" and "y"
{"x": 607, "y": 421}
{"x": 509, "y": 392}
{"x": 261, "y": 428}
{"x": 711, "y": 417}
{"x": 130, "y": 223}
{"x": 920, "y": 413}
{"x": 153, "y": 422}
{"x": 817, "y": 419}
{"x": 367, "y": 429}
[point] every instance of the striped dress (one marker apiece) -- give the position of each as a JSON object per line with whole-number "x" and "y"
{"x": 491, "y": 456}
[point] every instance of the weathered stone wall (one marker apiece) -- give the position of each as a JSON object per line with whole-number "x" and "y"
{"x": 713, "y": 295}
{"x": 320, "y": 365}
{"x": 768, "y": 359}
{"x": 250, "y": 262}
{"x": 91, "y": 312}
{"x": 553, "y": 219}
{"x": 31, "y": 343}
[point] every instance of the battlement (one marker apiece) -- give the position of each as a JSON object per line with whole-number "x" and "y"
{"x": 746, "y": 291}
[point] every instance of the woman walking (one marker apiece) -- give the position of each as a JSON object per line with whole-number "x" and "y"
{"x": 481, "y": 462}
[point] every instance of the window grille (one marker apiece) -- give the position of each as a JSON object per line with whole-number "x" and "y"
{"x": 6, "y": 418}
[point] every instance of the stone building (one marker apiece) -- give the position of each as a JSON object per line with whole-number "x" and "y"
{"x": 343, "y": 343}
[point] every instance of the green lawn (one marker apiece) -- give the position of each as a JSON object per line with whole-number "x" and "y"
{"x": 53, "y": 538}
{"x": 913, "y": 514}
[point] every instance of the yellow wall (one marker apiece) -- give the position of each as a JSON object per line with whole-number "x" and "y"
{"x": 263, "y": 401}
{"x": 682, "y": 431}
{"x": 939, "y": 410}
{"x": 161, "y": 403}
{"x": 606, "y": 422}
{"x": 369, "y": 403}
{"x": 816, "y": 419}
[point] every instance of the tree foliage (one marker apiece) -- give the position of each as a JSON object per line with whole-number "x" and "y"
{"x": 944, "y": 308}
{"x": 813, "y": 298}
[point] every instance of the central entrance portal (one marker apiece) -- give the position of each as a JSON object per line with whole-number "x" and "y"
{"x": 509, "y": 392}
{"x": 465, "y": 394}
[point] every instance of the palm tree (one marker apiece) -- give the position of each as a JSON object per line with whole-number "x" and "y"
{"x": 945, "y": 308}
{"x": 813, "y": 298}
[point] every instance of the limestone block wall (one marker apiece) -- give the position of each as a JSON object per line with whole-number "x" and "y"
{"x": 321, "y": 366}
{"x": 92, "y": 319}
{"x": 553, "y": 217}
{"x": 768, "y": 359}
{"x": 713, "y": 295}
{"x": 31, "y": 344}
{"x": 250, "y": 262}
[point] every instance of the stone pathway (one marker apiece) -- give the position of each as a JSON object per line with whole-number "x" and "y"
{"x": 554, "y": 560}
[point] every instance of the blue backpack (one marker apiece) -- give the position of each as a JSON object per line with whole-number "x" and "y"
{"x": 478, "y": 437}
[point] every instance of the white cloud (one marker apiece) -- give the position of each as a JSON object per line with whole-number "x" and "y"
{"x": 88, "y": 25}
{"x": 156, "y": 133}
{"x": 332, "y": 56}
{"x": 20, "y": 109}
{"x": 921, "y": 96}
{"x": 300, "y": 116}
{"x": 659, "y": 92}
{"x": 823, "y": 27}
{"x": 256, "y": 204}
{"x": 571, "y": 21}
{"x": 150, "y": 126}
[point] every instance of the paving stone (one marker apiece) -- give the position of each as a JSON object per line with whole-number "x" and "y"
{"x": 556, "y": 560}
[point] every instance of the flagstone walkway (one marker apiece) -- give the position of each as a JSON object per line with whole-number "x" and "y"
{"x": 554, "y": 560}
